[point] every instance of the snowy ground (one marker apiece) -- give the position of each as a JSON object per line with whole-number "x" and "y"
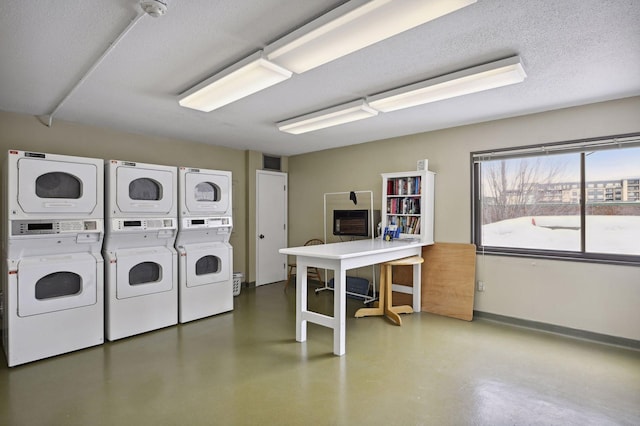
{"x": 605, "y": 234}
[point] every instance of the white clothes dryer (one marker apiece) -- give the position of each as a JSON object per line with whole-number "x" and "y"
{"x": 206, "y": 257}
{"x": 140, "y": 276}
{"x": 136, "y": 190}
{"x": 51, "y": 186}
{"x": 204, "y": 192}
{"x": 205, "y": 265}
{"x": 52, "y": 270}
{"x": 53, "y": 297}
{"x": 141, "y": 272}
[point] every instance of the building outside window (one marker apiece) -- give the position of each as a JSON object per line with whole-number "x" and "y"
{"x": 579, "y": 200}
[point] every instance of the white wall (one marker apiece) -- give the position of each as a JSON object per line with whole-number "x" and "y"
{"x": 592, "y": 297}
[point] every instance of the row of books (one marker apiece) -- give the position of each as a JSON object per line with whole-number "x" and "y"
{"x": 404, "y": 186}
{"x": 403, "y": 206}
{"x": 406, "y": 225}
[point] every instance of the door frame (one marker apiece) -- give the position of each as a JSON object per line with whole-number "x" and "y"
{"x": 286, "y": 220}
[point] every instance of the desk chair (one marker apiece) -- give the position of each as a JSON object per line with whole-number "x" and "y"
{"x": 312, "y": 271}
{"x": 385, "y": 304}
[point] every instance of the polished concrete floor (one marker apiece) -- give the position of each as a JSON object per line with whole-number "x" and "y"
{"x": 245, "y": 367}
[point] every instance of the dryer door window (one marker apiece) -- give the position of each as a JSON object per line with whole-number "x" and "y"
{"x": 140, "y": 190}
{"x": 144, "y": 271}
{"x": 56, "y": 283}
{"x": 145, "y": 189}
{"x": 48, "y": 187}
{"x": 58, "y": 185}
{"x": 207, "y": 193}
{"x": 208, "y": 264}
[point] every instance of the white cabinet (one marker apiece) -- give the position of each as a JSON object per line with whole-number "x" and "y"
{"x": 407, "y": 202}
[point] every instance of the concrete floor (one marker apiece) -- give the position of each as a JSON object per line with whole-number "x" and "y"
{"x": 245, "y": 367}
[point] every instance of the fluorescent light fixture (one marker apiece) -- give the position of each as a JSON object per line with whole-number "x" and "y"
{"x": 354, "y": 26}
{"x": 340, "y": 114}
{"x": 484, "y": 77}
{"x": 246, "y": 77}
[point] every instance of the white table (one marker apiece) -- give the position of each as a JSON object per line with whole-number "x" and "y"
{"x": 340, "y": 257}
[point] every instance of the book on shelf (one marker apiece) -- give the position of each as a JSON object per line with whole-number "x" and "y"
{"x": 404, "y": 186}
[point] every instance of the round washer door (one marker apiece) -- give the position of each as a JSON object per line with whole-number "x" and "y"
{"x": 55, "y": 283}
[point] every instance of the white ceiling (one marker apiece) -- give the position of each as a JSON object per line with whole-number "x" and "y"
{"x": 574, "y": 52}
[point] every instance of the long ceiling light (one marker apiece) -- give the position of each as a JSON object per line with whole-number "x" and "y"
{"x": 340, "y": 114}
{"x": 339, "y": 33}
{"x": 246, "y": 77}
{"x": 484, "y": 77}
{"x": 350, "y": 27}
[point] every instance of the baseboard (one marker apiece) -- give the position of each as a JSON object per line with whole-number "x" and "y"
{"x": 566, "y": 331}
{"x": 252, "y": 284}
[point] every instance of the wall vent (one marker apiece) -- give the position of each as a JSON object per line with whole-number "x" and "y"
{"x": 270, "y": 162}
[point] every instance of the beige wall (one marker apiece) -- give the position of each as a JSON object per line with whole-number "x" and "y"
{"x": 28, "y": 133}
{"x": 592, "y": 297}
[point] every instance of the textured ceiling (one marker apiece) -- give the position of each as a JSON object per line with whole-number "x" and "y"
{"x": 574, "y": 52}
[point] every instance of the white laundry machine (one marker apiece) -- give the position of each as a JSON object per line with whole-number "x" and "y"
{"x": 141, "y": 266}
{"x": 204, "y": 192}
{"x": 50, "y": 186}
{"x": 52, "y": 273}
{"x": 205, "y": 255}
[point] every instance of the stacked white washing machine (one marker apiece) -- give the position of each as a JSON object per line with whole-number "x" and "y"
{"x": 141, "y": 268}
{"x": 52, "y": 276}
{"x": 206, "y": 257}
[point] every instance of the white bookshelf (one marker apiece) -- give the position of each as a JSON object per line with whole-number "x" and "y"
{"x": 407, "y": 201}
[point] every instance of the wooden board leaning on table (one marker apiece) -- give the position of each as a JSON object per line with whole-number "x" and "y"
{"x": 448, "y": 280}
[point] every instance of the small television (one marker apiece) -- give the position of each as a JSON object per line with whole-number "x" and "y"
{"x": 354, "y": 223}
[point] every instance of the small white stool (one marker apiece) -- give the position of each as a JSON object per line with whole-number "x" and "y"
{"x": 385, "y": 305}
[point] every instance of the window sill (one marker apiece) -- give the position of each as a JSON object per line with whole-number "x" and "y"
{"x": 612, "y": 259}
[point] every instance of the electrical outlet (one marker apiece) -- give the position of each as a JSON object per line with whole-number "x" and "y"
{"x": 480, "y": 285}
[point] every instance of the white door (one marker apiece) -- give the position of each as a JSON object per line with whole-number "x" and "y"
{"x": 271, "y": 226}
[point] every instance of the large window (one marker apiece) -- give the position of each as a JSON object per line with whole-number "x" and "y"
{"x": 578, "y": 199}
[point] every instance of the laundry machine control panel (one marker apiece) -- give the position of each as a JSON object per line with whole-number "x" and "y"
{"x": 40, "y": 227}
{"x": 207, "y": 222}
{"x": 204, "y": 230}
{"x": 143, "y": 224}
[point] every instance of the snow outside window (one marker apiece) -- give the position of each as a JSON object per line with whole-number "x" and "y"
{"x": 578, "y": 200}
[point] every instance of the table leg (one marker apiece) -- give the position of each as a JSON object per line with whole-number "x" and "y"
{"x": 339, "y": 311}
{"x": 417, "y": 287}
{"x": 389, "y": 311}
{"x": 301, "y": 301}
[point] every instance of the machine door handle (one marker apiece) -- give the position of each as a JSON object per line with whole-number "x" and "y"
{"x": 261, "y": 236}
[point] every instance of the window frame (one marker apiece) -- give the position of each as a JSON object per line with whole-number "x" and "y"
{"x": 629, "y": 140}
